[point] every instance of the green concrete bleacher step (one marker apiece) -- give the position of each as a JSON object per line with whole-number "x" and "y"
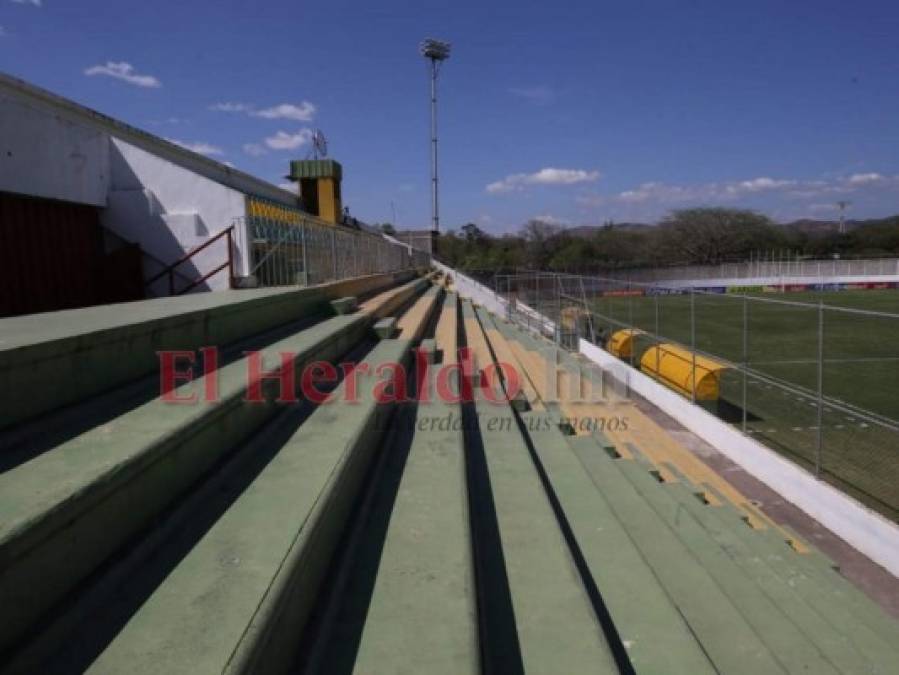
{"x": 791, "y": 644}
{"x": 56, "y": 359}
{"x": 842, "y": 647}
{"x": 346, "y": 305}
{"x": 657, "y": 638}
{"x": 845, "y": 607}
{"x": 240, "y": 599}
{"x": 66, "y": 510}
{"x": 557, "y": 628}
{"x": 69, "y": 508}
{"x": 422, "y": 615}
{"x": 725, "y": 635}
{"x": 748, "y": 554}
{"x": 428, "y": 347}
{"x": 385, "y": 328}
{"x": 552, "y": 354}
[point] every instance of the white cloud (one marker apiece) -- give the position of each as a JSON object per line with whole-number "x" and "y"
{"x": 288, "y": 111}
{"x": 548, "y": 176}
{"x": 2, "y": 31}
{"x": 304, "y": 112}
{"x": 254, "y": 149}
{"x": 124, "y": 71}
{"x": 33, "y": 3}
{"x": 864, "y": 179}
{"x": 761, "y": 184}
{"x": 666, "y": 195}
{"x": 199, "y": 147}
{"x": 285, "y": 141}
{"x": 228, "y": 106}
{"x": 290, "y": 187}
{"x": 550, "y": 219}
{"x": 703, "y": 192}
{"x": 538, "y": 94}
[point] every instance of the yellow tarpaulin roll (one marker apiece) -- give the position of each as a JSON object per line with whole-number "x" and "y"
{"x": 673, "y": 366}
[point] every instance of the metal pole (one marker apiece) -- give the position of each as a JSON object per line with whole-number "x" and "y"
{"x": 745, "y": 354}
{"x": 537, "y": 303}
{"x": 435, "y": 207}
{"x": 230, "y": 258}
{"x": 630, "y": 321}
{"x": 657, "y": 336}
{"x": 693, "y": 341}
{"x": 559, "y": 314}
{"x": 305, "y": 257}
{"x": 820, "y": 435}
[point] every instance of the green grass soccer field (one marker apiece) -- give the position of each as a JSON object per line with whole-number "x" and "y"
{"x": 860, "y": 449}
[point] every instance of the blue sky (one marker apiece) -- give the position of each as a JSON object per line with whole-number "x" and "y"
{"x": 574, "y": 111}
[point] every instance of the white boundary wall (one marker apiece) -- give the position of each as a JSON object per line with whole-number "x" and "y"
{"x": 864, "y": 529}
{"x": 468, "y": 287}
{"x": 776, "y": 281}
{"x": 749, "y": 271}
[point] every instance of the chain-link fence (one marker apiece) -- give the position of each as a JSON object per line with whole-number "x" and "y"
{"x": 308, "y": 251}
{"x": 813, "y": 375}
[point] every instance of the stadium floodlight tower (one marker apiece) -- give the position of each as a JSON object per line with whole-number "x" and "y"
{"x": 436, "y": 51}
{"x": 842, "y": 204}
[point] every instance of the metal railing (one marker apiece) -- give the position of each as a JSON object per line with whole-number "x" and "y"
{"x": 814, "y": 380}
{"x": 171, "y": 271}
{"x": 310, "y": 251}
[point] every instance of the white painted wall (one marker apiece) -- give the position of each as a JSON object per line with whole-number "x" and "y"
{"x": 159, "y": 195}
{"x": 46, "y": 153}
{"x": 169, "y": 210}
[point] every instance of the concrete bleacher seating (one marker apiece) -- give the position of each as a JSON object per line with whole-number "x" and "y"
{"x": 58, "y": 358}
{"x": 416, "y": 536}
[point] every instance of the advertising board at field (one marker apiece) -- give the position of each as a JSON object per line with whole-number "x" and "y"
{"x": 667, "y": 291}
{"x": 623, "y": 293}
{"x": 752, "y": 288}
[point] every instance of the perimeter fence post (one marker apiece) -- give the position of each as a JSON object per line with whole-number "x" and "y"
{"x": 658, "y": 335}
{"x": 819, "y": 444}
{"x": 693, "y": 341}
{"x": 305, "y": 256}
{"x": 630, "y": 319}
{"x": 334, "y": 254}
{"x": 559, "y": 308}
{"x": 745, "y": 354}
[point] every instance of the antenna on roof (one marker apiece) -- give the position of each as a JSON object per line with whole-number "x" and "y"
{"x": 319, "y": 145}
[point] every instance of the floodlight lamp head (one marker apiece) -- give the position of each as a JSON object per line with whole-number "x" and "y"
{"x": 436, "y": 50}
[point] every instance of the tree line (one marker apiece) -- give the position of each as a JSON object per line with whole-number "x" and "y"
{"x": 698, "y": 236}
